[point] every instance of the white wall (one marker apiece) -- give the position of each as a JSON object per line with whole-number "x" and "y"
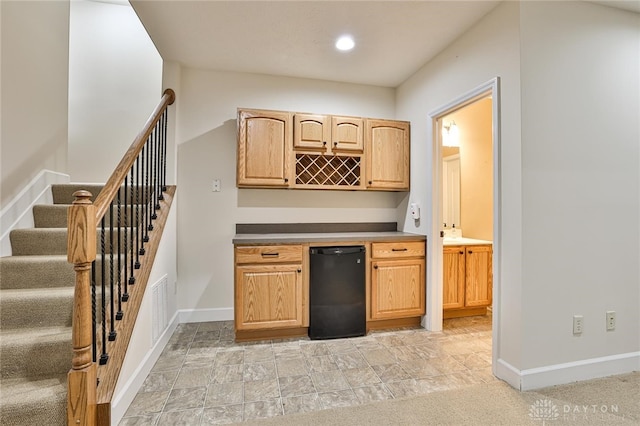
{"x": 207, "y": 110}
{"x": 570, "y": 184}
{"x": 115, "y": 82}
{"x": 35, "y": 72}
{"x": 580, "y": 181}
{"x": 489, "y": 49}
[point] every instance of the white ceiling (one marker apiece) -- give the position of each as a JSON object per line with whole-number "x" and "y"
{"x": 296, "y": 38}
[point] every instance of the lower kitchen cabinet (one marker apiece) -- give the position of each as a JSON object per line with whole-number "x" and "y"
{"x": 269, "y": 290}
{"x": 397, "y": 280}
{"x": 467, "y": 280}
{"x": 272, "y": 287}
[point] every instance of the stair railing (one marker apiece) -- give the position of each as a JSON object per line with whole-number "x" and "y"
{"x": 112, "y": 244}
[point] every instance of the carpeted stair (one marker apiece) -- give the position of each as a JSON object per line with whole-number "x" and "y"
{"x": 36, "y": 299}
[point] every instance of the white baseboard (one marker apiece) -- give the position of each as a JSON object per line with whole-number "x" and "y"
{"x": 507, "y": 372}
{"x": 122, "y": 401}
{"x": 576, "y": 371}
{"x": 204, "y": 315}
{"x": 17, "y": 213}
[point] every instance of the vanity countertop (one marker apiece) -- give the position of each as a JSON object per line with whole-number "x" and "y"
{"x": 319, "y": 237}
{"x": 462, "y": 241}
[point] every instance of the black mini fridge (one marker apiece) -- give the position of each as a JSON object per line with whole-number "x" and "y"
{"x": 337, "y": 292}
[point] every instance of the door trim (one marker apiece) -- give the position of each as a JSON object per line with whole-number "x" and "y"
{"x": 433, "y": 319}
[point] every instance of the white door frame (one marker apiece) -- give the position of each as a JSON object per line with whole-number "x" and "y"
{"x": 434, "y": 277}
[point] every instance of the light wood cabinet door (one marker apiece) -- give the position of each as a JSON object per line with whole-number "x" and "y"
{"x": 453, "y": 277}
{"x": 264, "y": 141}
{"x": 387, "y": 154}
{"x": 479, "y": 278}
{"x": 268, "y": 296}
{"x": 347, "y": 134}
{"x": 397, "y": 288}
{"x": 311, "y": 131}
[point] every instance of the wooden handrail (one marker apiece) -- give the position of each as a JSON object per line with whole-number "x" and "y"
{"x": 103, "y": 200}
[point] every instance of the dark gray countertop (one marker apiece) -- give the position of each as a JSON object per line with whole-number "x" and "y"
{"x": 319, "y": 237}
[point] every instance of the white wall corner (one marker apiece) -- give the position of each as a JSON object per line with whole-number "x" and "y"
{"x": 17, "y": 213}
{"x": 508, "y": 373}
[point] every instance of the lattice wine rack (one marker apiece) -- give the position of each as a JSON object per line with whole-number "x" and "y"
{"x": 326, "y": 170}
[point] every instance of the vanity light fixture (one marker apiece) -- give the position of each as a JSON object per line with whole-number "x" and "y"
{"x": 345, "y": 43}
{"x": 450, "y": 134}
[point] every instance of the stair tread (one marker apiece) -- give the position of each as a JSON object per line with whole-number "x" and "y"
{"x": 37, "y": 293}
{"x": 22, "y": 390}
{"x": 13, "y": 337}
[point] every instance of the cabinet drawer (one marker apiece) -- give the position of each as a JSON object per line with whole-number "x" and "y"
{"x": 398, "y": 249}
{"x": 269, "y": 254}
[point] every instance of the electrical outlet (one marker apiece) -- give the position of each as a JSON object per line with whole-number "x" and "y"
{"x": 611, "y": 320}
{"x": 215, "y": 187}
{"x": 578, "y": 323}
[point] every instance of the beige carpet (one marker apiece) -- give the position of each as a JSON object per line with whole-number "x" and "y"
{"x": 608, "y": 401}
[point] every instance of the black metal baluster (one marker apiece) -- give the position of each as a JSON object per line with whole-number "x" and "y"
{"x": 163, "y": 155}
{"x": 149, "y": 198}
{"x": 143, "y": 212}
{"x": 112, "y": 313}
{"x": 144, "y": 236}
{"x": 125, "y": 254}
{"x": 134, "y": 224}
{"x": 156, "y": 170}
{"x": 119, "y": 258}
{"x": 104, "y": 357}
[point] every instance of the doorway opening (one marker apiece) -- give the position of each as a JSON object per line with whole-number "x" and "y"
{"x": 465, "y": 243}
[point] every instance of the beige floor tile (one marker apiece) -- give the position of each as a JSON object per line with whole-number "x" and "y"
{"x": 224, "y": 394}
{"x": 296, "y": 385}
{"x": 343, "y": 398}
{"x": 302, "y": 404}
{"x": 291, "y": 367}
{"x": 357, "y": 377}
{"x": 261, "y": 390}
{"x": 259, "y": 371}
{"x": 184, "y": 417}
{"x": 222, "y": 415}
{"x": 370, "y": 393}
{"x": 184, "y": 399}
{"x": 192, "y": 378}
{"x": 147, "y": 403}
{"x": 159, "y": 381}
{"x": 227, "y": 373}
{"x": 263, "y": 409}
{"x": 329, "y": 381}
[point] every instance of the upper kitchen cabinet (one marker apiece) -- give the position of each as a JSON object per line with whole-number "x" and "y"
{"x": 346, "y": 134}
{"x": 264, "y": 141}
{"x": 328, "y": 133}
{"x": 387, "y": 154}
{"x": 278, "y": 149}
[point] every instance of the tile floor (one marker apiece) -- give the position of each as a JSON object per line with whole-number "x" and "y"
{"x": 203, "y": 377}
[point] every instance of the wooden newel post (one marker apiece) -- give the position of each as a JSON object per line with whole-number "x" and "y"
{"x": 81, "y": 251}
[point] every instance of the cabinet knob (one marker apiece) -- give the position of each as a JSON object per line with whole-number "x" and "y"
{"x": 335, "y": 144}
{"x": 461, "y": 252}
{"x": 286, "y": 180}
{"x": 470, "y": 251}
{"x": 375, "y": 266}
{"x": 299, "y": 270}
{"x": 324, "y": 143}
{"x": 370, "y": 182}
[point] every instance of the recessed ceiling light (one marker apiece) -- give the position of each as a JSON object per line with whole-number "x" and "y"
{"x": 345, "y": 43}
